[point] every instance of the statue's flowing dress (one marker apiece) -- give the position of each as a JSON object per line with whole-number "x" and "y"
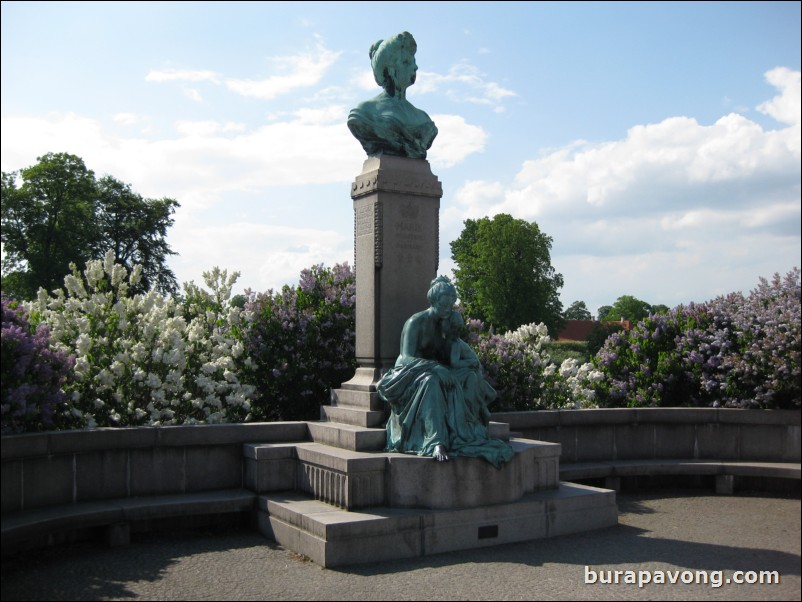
{"x": 424, "y": 413}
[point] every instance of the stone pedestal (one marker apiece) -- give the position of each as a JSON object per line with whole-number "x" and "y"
{"x": 396, "y": 239}
{"x": 396, "y": 250}
{"x": 346, "y": 500}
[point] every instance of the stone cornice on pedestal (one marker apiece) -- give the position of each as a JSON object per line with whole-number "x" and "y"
{"x": 396, "y": 174}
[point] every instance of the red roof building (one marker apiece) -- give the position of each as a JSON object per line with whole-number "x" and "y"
{"x": 578, "y": 330}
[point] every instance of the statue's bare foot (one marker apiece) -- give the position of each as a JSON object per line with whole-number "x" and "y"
{"x": 440, "y": 453}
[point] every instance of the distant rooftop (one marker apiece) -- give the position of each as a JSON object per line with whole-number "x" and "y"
{"x": 578, "y": 330}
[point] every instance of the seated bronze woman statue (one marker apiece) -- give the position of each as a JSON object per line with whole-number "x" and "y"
{"x": 437, "y": 396}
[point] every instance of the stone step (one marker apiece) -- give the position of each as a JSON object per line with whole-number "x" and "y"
{"x": 339, "y": 459}
{"x": 334, "y": 537}
{"x": 355, "y": 398}
{"x": 347, "y": 436}
{"x": 353, "y": 416}
{"x": 341, "y": 477}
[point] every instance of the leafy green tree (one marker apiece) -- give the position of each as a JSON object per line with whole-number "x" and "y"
{"x": 504, "y": 275}
{"x": 136, "y": 229}
{"x": 628, "y": 308}
{"x": 60, "y": 214}
{"x": 660, "y": 309}
{"x": 577, "y": 311}
{"x": 47, "y": 223}
{"x": 603, "y": 311}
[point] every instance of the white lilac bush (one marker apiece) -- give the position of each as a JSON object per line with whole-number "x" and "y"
{"x": 518, "y": 365}
{"x": 147, "y": 359}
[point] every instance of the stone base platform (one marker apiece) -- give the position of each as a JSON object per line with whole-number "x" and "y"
{"x": 339, "y": 501}
{"x": 332, "y": 536}
{"x": 352, "y": 479}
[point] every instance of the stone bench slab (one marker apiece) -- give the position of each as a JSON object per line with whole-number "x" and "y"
{"x": 17, "y": 527}
{"x": 661, "y": 467}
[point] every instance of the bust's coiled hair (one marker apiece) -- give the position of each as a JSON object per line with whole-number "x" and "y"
{"x": 383, "y": 54}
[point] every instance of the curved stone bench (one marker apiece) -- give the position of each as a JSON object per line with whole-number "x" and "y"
{"x": 724, "y": 471}
{"x": 611, "y": 444}
{"x": 60, "y": 483}
{"x": 108, "y": 479}
{"x": 34, "y": 528}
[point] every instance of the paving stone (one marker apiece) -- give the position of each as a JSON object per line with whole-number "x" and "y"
{"x": 656, "y": 531}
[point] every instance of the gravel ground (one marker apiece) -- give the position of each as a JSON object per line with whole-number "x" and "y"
{"x": 657, "y": 532}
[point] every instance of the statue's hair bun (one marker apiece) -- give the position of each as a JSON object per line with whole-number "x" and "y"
{"x": 374, "y": 47}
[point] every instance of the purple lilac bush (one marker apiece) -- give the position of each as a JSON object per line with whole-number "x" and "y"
{"x": 32, "y": 375}
{"x": 301, "y": 343}
{"x": 734, "y": 351}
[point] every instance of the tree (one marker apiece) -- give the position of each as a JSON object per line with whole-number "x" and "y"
{"x": 47, "y": 222}
{"x": 577, "y": 311}
{"x": 60, "y": 214}
{"x": 504, "y": 275}
{"x": 603, "y": 311}
{"x": 627, "y": 307}
{"x": 660, "y": 309}
{"x": 135, "y": 229}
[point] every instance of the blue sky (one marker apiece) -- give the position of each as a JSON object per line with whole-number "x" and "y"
{"x": 658, "y": 144}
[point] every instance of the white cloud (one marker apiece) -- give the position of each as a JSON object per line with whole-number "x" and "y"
{"x": 23, "y": 139}
{"x": 206, "y": 159}
{"x": 325, "y": 115}
{"x": 455, "y": 140}
{"x": 207, "y": 128}
{"x": 197, "y": 128}
{"x": 299, "y": 71}
{"x": 365, "y": 80}
{"x": 464, "y": 83}
{"x": 672, "y": 209}
{"x": 127, "y": 118}
{"x": 672, "y": 164}
{"x": 205, "y": 165}
{"x": 283, "y": 251}
{"x": 193, "y": 94}
{"x": 785, "y": 108}
{"x": 171, "y": 75}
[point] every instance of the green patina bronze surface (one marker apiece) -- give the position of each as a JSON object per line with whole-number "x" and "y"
{"x": 390, "y": 124}
{"x": 437, "y": 395}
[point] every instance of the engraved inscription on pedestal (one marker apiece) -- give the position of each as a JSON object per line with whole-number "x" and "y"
{"x": 410, "y": 239}
{"x": 368, "y": 222}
